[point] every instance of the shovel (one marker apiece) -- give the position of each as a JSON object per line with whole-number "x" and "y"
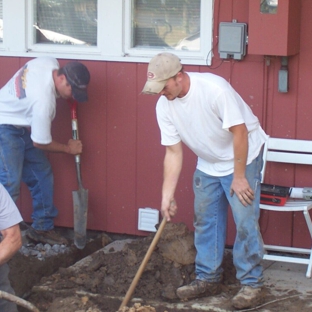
{"x": 80, "y": 197}
{"x": 143, "y": 264}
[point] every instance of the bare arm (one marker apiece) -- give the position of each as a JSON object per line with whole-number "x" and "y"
{"x": 73, "y": 147}
{"x": 240, "y": 184}
{"x": 11, "y": 243}
{"x": 172, "y": 168}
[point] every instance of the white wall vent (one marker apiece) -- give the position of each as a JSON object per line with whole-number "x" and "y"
{"x": 148, "y": 218}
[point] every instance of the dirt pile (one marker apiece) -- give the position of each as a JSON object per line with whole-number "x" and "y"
{"x": 101, "y": 280}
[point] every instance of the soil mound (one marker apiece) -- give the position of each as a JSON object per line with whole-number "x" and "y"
{"x": 101, "y": 280}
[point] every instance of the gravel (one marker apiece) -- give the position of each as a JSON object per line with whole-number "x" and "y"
{"x": 41, "y": 251}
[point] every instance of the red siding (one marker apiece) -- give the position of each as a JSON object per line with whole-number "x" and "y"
{"x": 122, "y": 157}
{"x": 281, "y": 29}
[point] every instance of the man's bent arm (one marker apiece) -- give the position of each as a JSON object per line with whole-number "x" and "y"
{"x": 73, "y": 147}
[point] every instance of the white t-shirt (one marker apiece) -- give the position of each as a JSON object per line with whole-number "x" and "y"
{"x": 202, "y": 118}
{"x": 29, "y": 98}
{"x": 9, "y": 214}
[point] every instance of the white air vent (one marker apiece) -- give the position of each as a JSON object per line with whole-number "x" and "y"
{"x": 148, "y": 218}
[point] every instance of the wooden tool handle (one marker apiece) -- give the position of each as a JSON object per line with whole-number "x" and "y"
{"x": 143, "y": 264}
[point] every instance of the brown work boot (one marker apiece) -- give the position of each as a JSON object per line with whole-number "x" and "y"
{"x": 46, "y": 237}
{"x": 247, "y": 297}
{"x": 197, "y": 289}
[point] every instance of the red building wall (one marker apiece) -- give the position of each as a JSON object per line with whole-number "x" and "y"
{"x": 122, "y": 156}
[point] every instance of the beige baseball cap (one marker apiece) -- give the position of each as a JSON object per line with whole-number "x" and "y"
{"x": 161, "y": 67}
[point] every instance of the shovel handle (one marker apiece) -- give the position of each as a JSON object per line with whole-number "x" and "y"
{"x": 143, "y": 264}
{"x": 73, "y": 109}
{"x": 75, "y": 132}
{"x": 74, "y": 119}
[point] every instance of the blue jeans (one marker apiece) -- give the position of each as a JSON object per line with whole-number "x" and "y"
{"x": 21, "y": 161}
{"x": 212, "y": 197}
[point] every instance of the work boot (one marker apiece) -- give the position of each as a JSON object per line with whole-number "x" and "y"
{"x": 46, "y": 237}
{"x": 198, "y": 288}
{"x": 247, "y": 297}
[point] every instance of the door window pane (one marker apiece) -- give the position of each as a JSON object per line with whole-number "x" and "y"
{"x": 268, "y": 6}
{"x": 71, "y": 22}
{"x": 173, "y": 24}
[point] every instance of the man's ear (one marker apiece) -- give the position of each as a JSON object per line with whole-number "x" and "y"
{"x": 179, "y": 76}
{"x": 62, "y": 79}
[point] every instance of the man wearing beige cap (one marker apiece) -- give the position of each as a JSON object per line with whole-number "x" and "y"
{"x": 204, "y": 112}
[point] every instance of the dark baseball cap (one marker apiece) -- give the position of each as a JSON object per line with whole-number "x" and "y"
{"x": 78, "y": 77}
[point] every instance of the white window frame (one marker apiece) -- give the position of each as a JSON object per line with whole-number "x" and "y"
{"x": 193, "y": 57}
{"x": 113, "y": 38}
{"x": 2, "y": 38}
{"x": 55, "y": 48}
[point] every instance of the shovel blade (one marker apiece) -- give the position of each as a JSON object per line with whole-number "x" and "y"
{"x": 80, "y": 200}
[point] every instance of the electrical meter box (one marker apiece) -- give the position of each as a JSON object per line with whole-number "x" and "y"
{"x": 232, "y": 40}
{"x": 274, "y": 27}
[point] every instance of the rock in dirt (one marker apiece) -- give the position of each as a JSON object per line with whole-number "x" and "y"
{"x": 137, "y": 307}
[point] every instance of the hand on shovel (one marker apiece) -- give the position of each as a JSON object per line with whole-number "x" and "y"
{"x": 169, "y": 209}
{"x": 74, "y": 147}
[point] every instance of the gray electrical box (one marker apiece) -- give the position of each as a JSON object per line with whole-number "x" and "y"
{"x": 232, "y": 40}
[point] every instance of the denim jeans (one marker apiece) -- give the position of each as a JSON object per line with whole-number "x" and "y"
{"x": 21, "y": 161}
{"x": 212, "y": 198}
